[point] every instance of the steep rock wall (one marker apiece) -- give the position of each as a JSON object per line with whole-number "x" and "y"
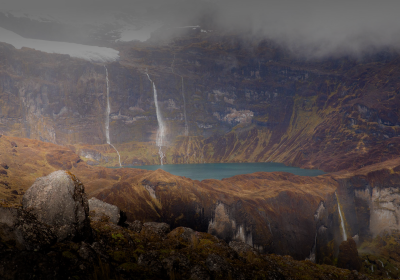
{"x": 222, "y": 99}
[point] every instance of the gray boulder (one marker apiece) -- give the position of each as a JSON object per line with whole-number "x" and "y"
{"x": 100, "y": 210}
{"x": 184, "y": 234}
{"x": 59, "y": 201}
{"x": 23, "y": 231}
{"x": 159, "y": 230}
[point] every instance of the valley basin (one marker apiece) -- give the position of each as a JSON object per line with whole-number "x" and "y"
{"x": 225, "y": 170}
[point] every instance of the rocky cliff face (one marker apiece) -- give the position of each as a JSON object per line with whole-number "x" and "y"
{"x": 222, "y": 100}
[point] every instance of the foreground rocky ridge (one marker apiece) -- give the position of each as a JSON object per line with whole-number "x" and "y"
{"x": 133, "y": 250}
{"x": 273, "y": 212}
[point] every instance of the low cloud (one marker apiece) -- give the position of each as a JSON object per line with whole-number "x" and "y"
{"x": 309, "y": 27}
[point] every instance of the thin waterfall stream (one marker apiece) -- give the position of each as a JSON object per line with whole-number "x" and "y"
{"x": 108, "y": 118}
{"x": 341, "y": 220}
{"x": 161, "y": 126}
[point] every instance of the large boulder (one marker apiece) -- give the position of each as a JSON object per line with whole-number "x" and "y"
{"x": 59, "y": 201}
{"x": 22, "y": 230}
{"x": 100, "y": 210}
{"x": 157, "y": 230}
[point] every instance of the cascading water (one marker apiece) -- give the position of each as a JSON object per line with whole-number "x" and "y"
{"x": 108, "y": 118}
{"x": 313, "y": 250}
{"x": 341, "y": 220}
{"x": 161, "y": 127}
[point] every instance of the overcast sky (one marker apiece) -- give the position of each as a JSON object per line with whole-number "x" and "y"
{"x": 314, "y": 27}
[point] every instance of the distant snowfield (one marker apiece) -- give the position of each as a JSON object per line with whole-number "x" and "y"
{"x": 131, "y": 27}
{"x": 90, "y": 53}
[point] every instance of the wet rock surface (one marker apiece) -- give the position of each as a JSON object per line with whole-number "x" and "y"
{"x": 348, "y": 255}
{"x": 158, "y": 229}
{"x": 59, "y": 201}
{"x": 102, "y": 210}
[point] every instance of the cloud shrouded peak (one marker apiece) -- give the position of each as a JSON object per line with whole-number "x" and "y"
{"x": 310, "y": 27}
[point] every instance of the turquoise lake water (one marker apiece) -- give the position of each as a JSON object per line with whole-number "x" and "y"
{"x": 226, "y": 170}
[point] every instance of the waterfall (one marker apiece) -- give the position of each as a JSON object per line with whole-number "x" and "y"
{"x": 313, "y": 250}
{"x": 341, "y": 220}
{"x": 108, "y": 109}
{"x": 161, "y": 127}
{"x": 108, "y": 118}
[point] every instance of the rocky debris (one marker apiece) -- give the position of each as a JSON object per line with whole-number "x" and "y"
{"x": 218, "y": 265}
{"x": 3, "y": 172}
{"x": 103, "y": 210}
{"x": 59, "y": 201}
{"x": 121, "y": 253}
{"x": 22, "y": 230}
{"x": 348, "y": 255}
{"x": 4, "y": 165}
{"x": 87, "y": 253}
{"x": 242, "y": 248}
{"x": 151, "y": 259}
{"x": 176, "y": 264}
{"x": 183, "y": 234}
{"x": 13, "y": 144}
{"x": 135, "y": 226}
{"x": 160, "y": 230}
{"x": 199, "y": 273}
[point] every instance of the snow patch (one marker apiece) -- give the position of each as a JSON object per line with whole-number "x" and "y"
{"x": 91, "y": 53}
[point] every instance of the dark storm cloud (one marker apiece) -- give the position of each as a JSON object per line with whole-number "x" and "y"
{"x": 311, "y": 27}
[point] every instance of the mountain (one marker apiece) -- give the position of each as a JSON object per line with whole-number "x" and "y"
{"x": 209, "y": 96}
{"x": 235, "y": 101}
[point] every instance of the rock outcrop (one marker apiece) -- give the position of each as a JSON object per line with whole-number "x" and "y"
{"x": 348, "y": 255}
{"x": 22, "y": 230}
{"x": 101, "y": 210}
{"x": 33, "y": 242}
{"x": 59, "y": 201}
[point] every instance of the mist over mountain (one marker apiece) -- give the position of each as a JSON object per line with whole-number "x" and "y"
{"x": 310, "y": 28}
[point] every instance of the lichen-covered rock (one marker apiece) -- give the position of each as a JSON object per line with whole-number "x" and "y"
{"x": 151, "y": 259}
{"x": 158, "y": 229}
{"x": 136, "y": 226}
{"x": 176, "y": 264}
{"x": 218, "y": 265}
{"x": 59, "y": 201}
{"x": 87, "y": 253}
{"x": 100, "y": 209}
{"x": 22, "y": 230}
{"x": 242, "y": 248}
{"x": 183, "y": 233}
